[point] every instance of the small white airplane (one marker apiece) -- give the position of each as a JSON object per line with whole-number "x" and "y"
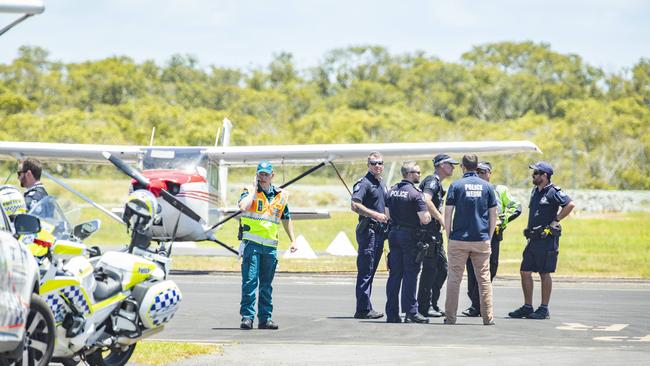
{"x": 193, "y": 179}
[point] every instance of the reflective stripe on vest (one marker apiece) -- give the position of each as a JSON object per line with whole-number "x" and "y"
{"x": 262, "y": 219}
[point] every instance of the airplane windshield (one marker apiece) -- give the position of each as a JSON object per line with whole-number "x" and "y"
{"x": 179, "y": 159}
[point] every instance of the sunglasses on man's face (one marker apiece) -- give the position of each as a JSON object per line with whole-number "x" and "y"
{"x": 537, "y": 172}
{"x": 415, "y": 172}
{"x": 373, "y": 163}
{"x": 20, "y": 172}
{"x": 481, "y": 171}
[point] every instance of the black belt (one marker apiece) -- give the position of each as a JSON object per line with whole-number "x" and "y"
{"x": 404, "y": 227}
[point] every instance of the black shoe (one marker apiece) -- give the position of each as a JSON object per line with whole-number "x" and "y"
{"x": 522, "y": 312}
{"x": 415, "y": 318}
{"x": 394, "y": 320}
{"x": 269, "y": 324}
{"x": 471, "y": 312}
{"x": 435, "y": 312}
{"x": 246, "y": 323}
{"x": 369, "y": 315}
{"x": 540, "y": 314}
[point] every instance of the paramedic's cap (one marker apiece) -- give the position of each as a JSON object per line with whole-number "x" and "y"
{"x": 484, "y": 165}
{"x": 265, "y": 167}
{"x": 443, "y": 158}
{"x": 542, "y": 166}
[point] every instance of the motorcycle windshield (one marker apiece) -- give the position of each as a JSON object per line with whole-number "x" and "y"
{"x": 49, "y": 211}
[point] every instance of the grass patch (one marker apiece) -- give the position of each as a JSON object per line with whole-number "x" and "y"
{"x": 599, "y": 245}
{"x": 590, "y": 246}
{"x": 166, "y": 353}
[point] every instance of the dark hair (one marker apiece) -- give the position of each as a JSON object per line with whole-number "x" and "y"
{"x": 33, "y": 165}
{"x": 470, "y": 162}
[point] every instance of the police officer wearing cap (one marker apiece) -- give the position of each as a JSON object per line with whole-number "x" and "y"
{"x": 508, "y": 209}
{"x": 368, "y": 200}
{"x": 434, "y": 263}
{"x": 408, "y": 213}
{"x": 543, "y": 235}
{"x": 29, "y": 175}
{"x": 263, "y": 207}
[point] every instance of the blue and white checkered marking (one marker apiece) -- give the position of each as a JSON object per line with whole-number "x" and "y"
{"x": 56, "y": 303}
{"x": 164, "y": 306}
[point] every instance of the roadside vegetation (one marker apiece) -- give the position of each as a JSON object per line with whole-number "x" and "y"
{"x": 590, "y": 122}
{"x": 612, "y": 246}
{"x": 155, "y": 353}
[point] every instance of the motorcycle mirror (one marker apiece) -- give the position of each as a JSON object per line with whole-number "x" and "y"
{"x": 86, "y": 229}
{"x": 25, "y": 224}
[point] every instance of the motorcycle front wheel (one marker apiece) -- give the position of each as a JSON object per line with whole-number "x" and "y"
{"x": 112, "y": 357}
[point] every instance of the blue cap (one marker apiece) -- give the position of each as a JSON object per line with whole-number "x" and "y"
{"x": 265, "y": 167}
{"x": 542, "y": 166}
{"x": 443, "y": 158}
{"x": 484, "y": 165}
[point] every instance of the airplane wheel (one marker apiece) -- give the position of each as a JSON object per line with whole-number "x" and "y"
{"x": 112, "y": 357}
{"x": 39, "y": 334}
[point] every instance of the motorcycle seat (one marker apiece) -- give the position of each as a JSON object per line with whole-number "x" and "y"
{"x": 106, "y": 288}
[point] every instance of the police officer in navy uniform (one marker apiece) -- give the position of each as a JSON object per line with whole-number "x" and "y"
{"x": 408, "y": 213}
{"x": 29, "y": 175}
{"x": 543, "y": 234}
{"x": 434, "y": 263}
{"x": 368, "y": 200}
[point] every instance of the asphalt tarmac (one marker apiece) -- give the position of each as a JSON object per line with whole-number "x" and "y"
{"x": 592, "y": 321}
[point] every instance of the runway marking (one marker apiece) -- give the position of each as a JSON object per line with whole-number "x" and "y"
{"x": 623, "y": 339}
{"x": 611, "y": 338}
{"x": 599, "y": 328}
{"x": 641, "y": 339}
{"x": 611, "y": 328}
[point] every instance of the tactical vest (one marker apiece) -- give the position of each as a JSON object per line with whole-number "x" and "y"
{"x": 262, "y": 219}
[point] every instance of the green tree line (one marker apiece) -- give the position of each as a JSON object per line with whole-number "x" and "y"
{"x": 593, "y": 126}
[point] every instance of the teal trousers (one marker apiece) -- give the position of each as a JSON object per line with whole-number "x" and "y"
{"x": 257, "y": 269}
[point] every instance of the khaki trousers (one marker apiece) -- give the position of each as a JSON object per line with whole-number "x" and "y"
{"x": 479, "y": 253}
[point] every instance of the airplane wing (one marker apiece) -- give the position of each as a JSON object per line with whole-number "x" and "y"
{"x": 251, "y": 155}
{"x": 308, "y": 154}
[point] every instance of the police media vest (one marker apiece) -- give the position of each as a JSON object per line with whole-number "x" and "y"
{"x": 262, "y": 219}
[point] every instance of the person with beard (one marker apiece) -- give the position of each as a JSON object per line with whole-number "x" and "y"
{"x": 408, "y": 213}
{"x": 29, "y": 176}
{"x": 543, "y": 235}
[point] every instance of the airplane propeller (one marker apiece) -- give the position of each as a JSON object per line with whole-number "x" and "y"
{"x": 143, "y": 181}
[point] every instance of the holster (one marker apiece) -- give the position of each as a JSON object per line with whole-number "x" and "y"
{"x": 363, "y": 224}
{"x": 542, "y": 232}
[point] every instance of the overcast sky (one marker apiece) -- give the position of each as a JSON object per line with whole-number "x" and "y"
{"x": 245, "y": 33}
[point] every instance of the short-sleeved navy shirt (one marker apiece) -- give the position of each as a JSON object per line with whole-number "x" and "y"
{"x": 472, "y": 198}
{"x": 370, "y": 192}
{"x": 544, "y": 205}
{"x": 34, "y": 194}
{"x": 404, "y": 201}
{"x": 432, "y": 186}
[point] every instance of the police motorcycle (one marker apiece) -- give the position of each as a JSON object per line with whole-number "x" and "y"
{"x": 103, "y": 304}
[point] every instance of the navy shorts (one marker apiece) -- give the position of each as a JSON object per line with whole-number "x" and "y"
{"x": 541, "y": 255}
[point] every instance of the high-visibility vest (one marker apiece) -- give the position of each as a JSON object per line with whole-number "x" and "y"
{"x": 506, "y": 204}
{"x": 263, "y": 218}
